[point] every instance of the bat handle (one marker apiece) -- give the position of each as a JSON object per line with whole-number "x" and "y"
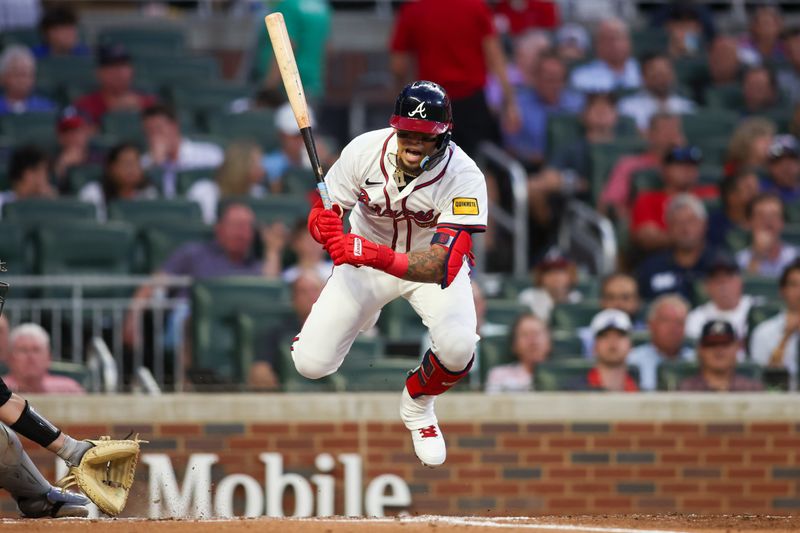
{"x": 323, "y": 193}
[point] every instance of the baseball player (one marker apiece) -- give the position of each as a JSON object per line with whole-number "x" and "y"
{"x": 415, "y": 198}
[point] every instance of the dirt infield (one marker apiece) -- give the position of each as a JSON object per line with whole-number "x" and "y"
{"x": 426, "y": 524}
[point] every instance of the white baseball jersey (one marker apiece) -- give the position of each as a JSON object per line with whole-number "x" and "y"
{"x": 451, "y": 194}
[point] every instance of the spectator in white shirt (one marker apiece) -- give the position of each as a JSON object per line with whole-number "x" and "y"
{"x": 614, "y": 67}
{"x": 666, "y": 320}
{"x": 658, "y": 94}
{"x": 530, "y": 344}
{"x": 171, "y": 152}
{"x": 726, "y": 302}
{"x": 768, "y": 255}
{"x": 774, "y": 342}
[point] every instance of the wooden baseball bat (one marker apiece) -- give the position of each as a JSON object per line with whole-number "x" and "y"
{"x": 284, "y": 56}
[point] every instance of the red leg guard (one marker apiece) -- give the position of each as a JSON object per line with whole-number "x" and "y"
{"x": 432, "y": 378}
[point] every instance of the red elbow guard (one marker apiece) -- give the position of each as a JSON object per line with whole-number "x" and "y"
{"x": 459, "y": 244}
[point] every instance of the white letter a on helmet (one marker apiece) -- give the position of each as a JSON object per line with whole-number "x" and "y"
{"x": 420, "y": 110}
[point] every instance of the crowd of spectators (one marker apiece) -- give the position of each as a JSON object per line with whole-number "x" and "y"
{"x": 687, "y": 146}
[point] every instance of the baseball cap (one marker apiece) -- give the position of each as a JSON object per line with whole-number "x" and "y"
{"x": 573, "y": 34}
{"x": 722, "y": 262}
{"x": 286, "y": 122}
{"x": 610, "y": 319}
{"x": 783, "y": 146}
{"x": 684, "y": 154}
{"x": 112, "y": 54}
{"x": 717, "y": 332}
{"x": 70, "y": 119}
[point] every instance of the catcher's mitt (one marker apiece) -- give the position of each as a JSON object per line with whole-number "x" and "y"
{"x": 105, "y": 473}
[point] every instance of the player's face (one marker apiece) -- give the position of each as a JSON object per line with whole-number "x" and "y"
{"x": 412, "y": 147}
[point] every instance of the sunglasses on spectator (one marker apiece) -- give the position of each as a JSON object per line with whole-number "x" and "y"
{"x": 415, "y": 135}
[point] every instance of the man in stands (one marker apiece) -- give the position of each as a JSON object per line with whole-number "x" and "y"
{"x": 612, "y": 344}
{"x": 29, "y": 363}
{"x": 27, "y": 172}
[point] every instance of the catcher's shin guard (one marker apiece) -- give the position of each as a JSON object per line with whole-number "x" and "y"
{"x": 18, "y": 475}
{"x": 432, "y": 378}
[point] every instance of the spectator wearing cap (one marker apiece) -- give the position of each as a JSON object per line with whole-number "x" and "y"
{"x": 555, "y": 278}
{"x": 724, "y": 222}
{"x": 723, "y": 284}
{"x": 767, "y": 255}
{"x": 115, "y": 79}
{"x": 612, "y": 345}
{"x": 789, "y": 74}
{"x": 572, "y": 43}
{"x": 27, "y": 172}
{"x": 59, "y": 31}
{"x": 783, "y": 169}
{"x": 529, "y": 340}
{"x": 240, "y": 174}
{"x": 716, "y": 353}
{"x": 17, "y": 79}
{"x": 169, "y": 151}
{"x": 685, "y": 262}
{"x": 680, "y": 174}
{"x": 774, "y": 343}
{"x": 292, "y": 151}
{"x": 762, "y": 43}
{"x": 760, "y": 91}
{"x": 547, "y": 96}
{"x": 666, "y": 322}
{"x": 614, "y": 69}
{"x": 663, "y": 133}
{"x": 657, "y": 94}
{"x": 74, "y": 135}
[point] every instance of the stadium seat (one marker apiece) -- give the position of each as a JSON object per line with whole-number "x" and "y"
{"x": 385, "y": 374}
{"x": 151, "y": 212}
{"x": 709, "y": 123}
{"x": 649, "y": 41}
{"x": 564, "y": 129}
{"x": 292, "y": 381}
{"x": 503, "y": 311}
{"x": 284, "y": 207}
{"x": 791, "y": 234}
{"x": 762, "y": 312}
{"x": 725, "y": 97}
{"x": 605, "y": 156}
{"x": 566, "y": 345}
{"x": 737, "y": 239}
{"x": 38, "y": 128}
{"x": 48, "y": 211}
{"x": 84, "y": 248}
{"x": 187, "y": 178}
{"x": 12, "y": 248}
{"x": 219, "y": 307}
{"x": 298, "y": 181}
{"x": 208, "y": 98}
{"x": 766, "y": 289}
{"x": 76, "y": 371}
{"x": 144, "y": 40}
{"x": 81, "y": 175}
{"x": 671, "y": 373}
{"x": 792, "y": 212}
{"x": 27, "y": 36}
{"x": 55, "y": 74}
{"x": 399, "y": 320}
{"x": 124, "y": 126}
{"x": 167, "y": 71}
{"x": 157, "y": 241}
{"x": 564, "y": 374}
{"x": 689, "y": 69}
{"x": 493, "y": 351}
{"x": 569, "y": 317}
{"x": 256, "y": 126}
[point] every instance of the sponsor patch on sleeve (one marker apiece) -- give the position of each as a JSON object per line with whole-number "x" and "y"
{"x": 465, "y": 206}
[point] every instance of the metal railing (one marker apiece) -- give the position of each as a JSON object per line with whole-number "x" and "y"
{"x": 588, "y": 237}
{"x": 515, "y": 222}
{"x": 77, "y": 311}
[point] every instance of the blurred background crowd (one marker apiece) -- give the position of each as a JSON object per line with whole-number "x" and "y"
{"x": 641, "y": 157}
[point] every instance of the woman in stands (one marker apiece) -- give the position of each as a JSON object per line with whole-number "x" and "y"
{"x": 240, "y": 174}
{"x": 530, "y": 344}
{"x": 123, "y": 179}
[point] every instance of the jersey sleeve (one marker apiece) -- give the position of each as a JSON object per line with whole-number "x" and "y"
{"x": 465, "y": 205}
{"x": 344, "y": 177}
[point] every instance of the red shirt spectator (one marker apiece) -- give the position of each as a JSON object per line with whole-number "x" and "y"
{"x": 519, "y": 16}
{"x": 115, "y": 76}
{"x": 651, "y": 206}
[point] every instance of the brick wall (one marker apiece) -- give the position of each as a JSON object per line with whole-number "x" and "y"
{"x": 509, "y": 468}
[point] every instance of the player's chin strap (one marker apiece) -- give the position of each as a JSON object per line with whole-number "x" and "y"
{"x": 430, "y": 161}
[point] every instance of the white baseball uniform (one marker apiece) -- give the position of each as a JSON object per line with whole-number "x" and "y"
{"x": 452, "y": 194}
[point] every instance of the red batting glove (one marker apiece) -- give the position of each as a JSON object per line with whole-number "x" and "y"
{"x": 324, "y": 224}
{"x": 355, "y": 250}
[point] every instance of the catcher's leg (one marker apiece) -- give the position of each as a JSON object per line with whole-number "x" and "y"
{"x": 348, "y": 304}
{"x": 35, "y": 497}
{"x": 450, "y": 316}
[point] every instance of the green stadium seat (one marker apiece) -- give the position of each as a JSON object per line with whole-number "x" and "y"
{"x": 219, "y": 308}
{"x": 725, "y": 97}
{"x": 76, "y": 371}
{"x": 566, "y": 345}
{"x": 208, "y": 98}
{"x": 256, "y": 126}
{"x": 55, "y": 74}
{"x": 792, "y": 212}
{"x": 167, "y": 71}
{"x": 292, "y": 381}
{"x": 365, "y": 350}
{"x": 156, "y": 211}
{"x": 709, "y": 123}
{"x": 299, "y": 181}
{"x": 605, "y": 156}
{"x": 144, "y": 40}
{"x": 762, "y": 312}
{"x": 81, "y": 175}
{"x": 493, "y": 351}
{"x": 689, "y": 69}
{"x": 791, "y": 234}
{"x": 27, "y": 36}
{"x": 284, "y": 207}
{"x": 32, "y": 211}
{"x": 503, "y": 311}
{"x": 125, "y": 126}
{"x": 569, "y": 317}
{"x": 386, "y": 374}
{"x": 649, "y": 41}
{"x": 158, "y": 241}
{"x": 561, "y": 375}
{"x": 766, "y": 288}
{"x": 398, "y": 320}
{"x": 12, "y": 248}
{"x": 671, "y": 373}
{"x": 564, "y": 129}
{"x": 187, "y": 178}
{"x": 38, "y": 128}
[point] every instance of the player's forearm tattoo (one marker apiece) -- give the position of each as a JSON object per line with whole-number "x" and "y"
{"x": 426, "y": 266}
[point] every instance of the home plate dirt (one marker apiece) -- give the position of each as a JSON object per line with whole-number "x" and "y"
{"x": 427, "y": 524}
